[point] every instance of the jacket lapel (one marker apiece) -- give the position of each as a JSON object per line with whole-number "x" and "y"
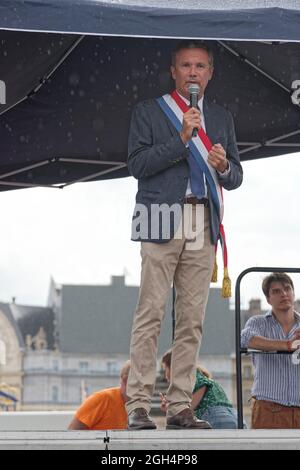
{"x": 209, "y": 120}
{"x": 173, "y": 130}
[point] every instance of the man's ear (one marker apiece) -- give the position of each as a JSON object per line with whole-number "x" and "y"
{"x": 211, "y": 73}
{"x": 173, "y": 72}
{"x": 267, "y": 299}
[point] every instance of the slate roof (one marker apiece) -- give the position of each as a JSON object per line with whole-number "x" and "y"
{"x": 31, "y": 318}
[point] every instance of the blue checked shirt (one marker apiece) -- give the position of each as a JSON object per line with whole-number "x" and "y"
{"x": 276, "y": 377}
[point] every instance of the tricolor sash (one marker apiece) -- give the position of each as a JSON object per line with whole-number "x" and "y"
{"x": 174, "y": 107}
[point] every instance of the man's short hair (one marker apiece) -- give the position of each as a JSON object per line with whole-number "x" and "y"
{"x": 275, "y": 277}
{"x": 125, "y": 370}
{"x": 192, "y": 44}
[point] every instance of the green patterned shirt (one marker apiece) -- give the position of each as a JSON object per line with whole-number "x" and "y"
{"x": 214, "y": 395}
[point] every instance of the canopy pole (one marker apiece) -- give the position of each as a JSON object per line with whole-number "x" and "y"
{"x": 46, "y": 76}
{"x": 27, "y": 185}
{"x": 49, "y": 74}
{"x": 283, "y": 136}
{"x": 94, "y": 175}
{"x": 261, "y": 71}
{"x": 82, "y": 160}
{"x": 21, "y": 170}
{"x": 117, "y": 166}
{"x": 272, "y": 142}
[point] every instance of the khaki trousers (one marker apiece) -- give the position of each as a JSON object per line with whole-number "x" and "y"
{"x": 191, "y": 271}
{"x": 269, "y": 415}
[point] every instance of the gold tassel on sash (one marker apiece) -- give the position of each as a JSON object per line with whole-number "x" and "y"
{"x": 214, "y": 277}
{"x": 226, "y": 287}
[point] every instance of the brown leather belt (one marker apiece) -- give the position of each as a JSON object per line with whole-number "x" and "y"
{"x": 194, "y": 200}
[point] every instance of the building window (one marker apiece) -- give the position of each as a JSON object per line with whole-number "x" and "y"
{"x": 83, "y": 366}
{"x": 84, "y": 391}
{"x": 111, "y": 367}
{"x": 55, "y": 365}
{"x": 55, "y": 394}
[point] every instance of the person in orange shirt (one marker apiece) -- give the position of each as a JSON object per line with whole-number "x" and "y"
{"x": 104, "y": 409}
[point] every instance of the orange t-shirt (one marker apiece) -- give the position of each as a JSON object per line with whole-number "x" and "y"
{"x": 104, "y": 410}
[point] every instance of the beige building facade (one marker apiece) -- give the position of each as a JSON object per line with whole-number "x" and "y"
{"x": 11, "y": 362}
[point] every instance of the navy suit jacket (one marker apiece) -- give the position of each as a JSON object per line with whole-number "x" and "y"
{"x": 157, "y": 157}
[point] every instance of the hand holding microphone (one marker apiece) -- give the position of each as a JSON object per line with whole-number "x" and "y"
{"x": 194, "y": 91}
{"x": 192, "y": 118}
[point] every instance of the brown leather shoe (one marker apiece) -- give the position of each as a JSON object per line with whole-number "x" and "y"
{"x": 139, "y": 419}
{"x": 186, "y": 420}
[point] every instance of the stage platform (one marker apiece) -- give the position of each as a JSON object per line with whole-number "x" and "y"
{"x": 151, "y": 440}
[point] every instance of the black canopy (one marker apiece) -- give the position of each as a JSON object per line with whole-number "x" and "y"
{"x": 71, "y": 72}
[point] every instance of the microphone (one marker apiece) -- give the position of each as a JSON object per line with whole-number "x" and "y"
{"x": 194, "y": 91}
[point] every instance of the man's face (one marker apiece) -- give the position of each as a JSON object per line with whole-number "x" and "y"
{"x": 281, "y": 296}
{"x": 191, "y": 66}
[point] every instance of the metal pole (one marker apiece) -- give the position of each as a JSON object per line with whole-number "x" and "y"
{"x": 239, "y": 386}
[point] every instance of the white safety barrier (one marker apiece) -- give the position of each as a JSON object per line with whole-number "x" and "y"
{"x": 35, "y": 420}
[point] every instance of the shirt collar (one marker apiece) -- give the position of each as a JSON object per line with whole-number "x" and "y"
{"x": 270, "y": 314}
{"x": 200, "y": 102}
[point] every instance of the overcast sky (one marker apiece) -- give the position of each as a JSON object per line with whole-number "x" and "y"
{"x": 81, "y": 234}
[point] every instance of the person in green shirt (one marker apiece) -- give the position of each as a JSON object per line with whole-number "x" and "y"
{"x": 209, "y": 402}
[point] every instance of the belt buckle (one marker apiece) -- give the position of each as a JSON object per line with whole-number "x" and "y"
{"x": 194, "y": 201}
{"x": 191, "y": 200}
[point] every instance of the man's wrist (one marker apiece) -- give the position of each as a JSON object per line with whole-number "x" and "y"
{"x": 289, "y": 345}
{"x": 185, "y": 142}
{"x": 226, "y": 167}
{"x": 226, "y": 170}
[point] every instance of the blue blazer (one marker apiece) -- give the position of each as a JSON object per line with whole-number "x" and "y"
{"x": 157, "y": 158}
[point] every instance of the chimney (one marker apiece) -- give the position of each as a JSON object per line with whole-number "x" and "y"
{"x": 255, "y": 307}
{"x": 118, "y": 281}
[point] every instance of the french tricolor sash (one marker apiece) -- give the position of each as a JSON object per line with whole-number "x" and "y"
{"x": 174, "y": 107}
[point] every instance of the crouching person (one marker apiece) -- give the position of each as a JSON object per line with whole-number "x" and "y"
{"x": 104, "y": 409}
{"x": 209, "y": 401}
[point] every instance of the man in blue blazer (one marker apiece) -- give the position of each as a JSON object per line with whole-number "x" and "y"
{"x": 174, "y": 191}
